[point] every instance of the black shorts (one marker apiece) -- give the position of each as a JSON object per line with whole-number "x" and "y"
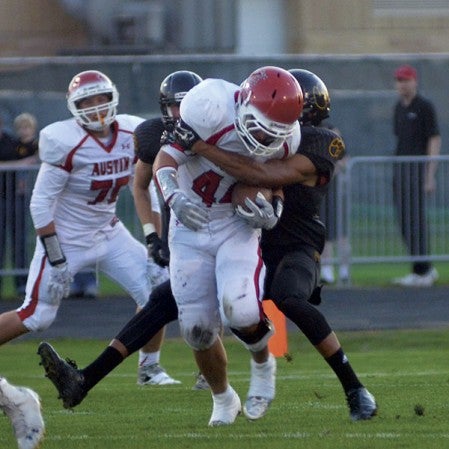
{"x": 292, "y": 273}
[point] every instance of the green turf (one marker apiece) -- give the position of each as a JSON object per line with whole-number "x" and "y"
{"x": 403, "y": 369}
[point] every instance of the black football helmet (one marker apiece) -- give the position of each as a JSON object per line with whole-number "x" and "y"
{"x": 172, "y": 91}
{"x": 317, "y": 102}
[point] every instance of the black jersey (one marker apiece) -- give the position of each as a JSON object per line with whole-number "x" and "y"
{"x": 414, "y": 125}
{"x": 147, "y": 138}
{"x": 300, "y": 223}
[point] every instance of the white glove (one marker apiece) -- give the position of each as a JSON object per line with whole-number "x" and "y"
{"x": 156, "y": 274}
{"x": 191, "y": 215}
{"x": 59, "y": 283}
{"x": 261, "y": 213}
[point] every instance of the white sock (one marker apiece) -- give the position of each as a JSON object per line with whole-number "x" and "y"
{"x": 149, "y": 358}
{"x": 224, "y": 395}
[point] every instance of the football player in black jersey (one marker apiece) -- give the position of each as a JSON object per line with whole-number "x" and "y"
{"x": 292, "y": 249}
{"x": 291, "y": 252}
{"x": 148, "y": 138}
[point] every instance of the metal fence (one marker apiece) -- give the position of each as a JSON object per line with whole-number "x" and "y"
{"x": 368, "y": 211}
{"x": 367, "y": 228}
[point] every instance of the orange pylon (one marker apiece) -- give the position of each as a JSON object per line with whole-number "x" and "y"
{"x": 278, "y": 343}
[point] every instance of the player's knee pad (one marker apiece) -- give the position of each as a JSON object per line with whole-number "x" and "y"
{"x": 308, "y": 318}
{"x": 199, "y": 337}
{"x": 42, "y": 318}
{"x": 258, "y": 339}
{"x": 239, "y": 312}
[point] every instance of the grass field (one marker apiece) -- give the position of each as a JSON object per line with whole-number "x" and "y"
{"x": 407, "y": 371}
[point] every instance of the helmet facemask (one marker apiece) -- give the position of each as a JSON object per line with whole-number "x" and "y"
{"x": 165, "y": 104}
{"x": 251, "y": 123}
{"x": 88, "y": 84}
{"x": 172, "y": 90}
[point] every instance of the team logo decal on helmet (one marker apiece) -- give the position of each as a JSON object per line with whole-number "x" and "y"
{"x": 316, "y": 97}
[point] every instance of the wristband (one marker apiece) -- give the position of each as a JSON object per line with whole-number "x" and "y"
{"x": 53, "y": 249}
{"x": 148, "y": 228}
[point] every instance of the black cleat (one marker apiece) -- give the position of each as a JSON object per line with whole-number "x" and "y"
{"x": 362, "y": 404}
{"x": 64, "y": 375}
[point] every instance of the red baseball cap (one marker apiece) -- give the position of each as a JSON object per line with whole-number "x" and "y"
{"x": 405, "y": 72}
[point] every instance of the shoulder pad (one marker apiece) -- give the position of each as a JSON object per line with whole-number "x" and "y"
{"x": 147, "y": 139}
{"x": 322, "y": 142}
{"x": 212, "y": 98}
{"x": 58, "y": 139}
{"x": 128, "y": 122}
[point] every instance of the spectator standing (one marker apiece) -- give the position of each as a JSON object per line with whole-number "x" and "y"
{"x": 14, "y": 192}
{"x": 416, "y": 129}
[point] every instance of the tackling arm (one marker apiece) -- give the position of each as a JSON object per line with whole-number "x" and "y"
{"x": 142, "y": 198}
{"x": 273, "y": 173}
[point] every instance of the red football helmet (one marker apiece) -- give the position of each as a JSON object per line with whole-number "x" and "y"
{"x": 86, "y": 84}
{"x": 269, "y": 103}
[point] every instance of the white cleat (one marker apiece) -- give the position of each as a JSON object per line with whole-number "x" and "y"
{"x": 23, "y": 407}
{"x": 227, "y": 407}
{"x": 155, "y": 375}
{"x": 201, "y": 383}
{"x": 327, "y": 275}
{"x": 418, "y": 280}
{"x": 255, "y": 407}
{"x": 262, "y": 388}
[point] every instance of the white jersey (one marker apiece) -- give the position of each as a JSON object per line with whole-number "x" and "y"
{"x": 217, "y": 272}
{"x": 80, "y": 178}
{"x": 77, "y": 188}
{"x": 209, "y": 108}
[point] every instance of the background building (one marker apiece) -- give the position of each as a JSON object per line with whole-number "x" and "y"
{"x": 245, "y": 27}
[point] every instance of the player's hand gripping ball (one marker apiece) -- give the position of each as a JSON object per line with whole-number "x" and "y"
{"x": 242, "y": 191}
{"x": 254, "y": 205}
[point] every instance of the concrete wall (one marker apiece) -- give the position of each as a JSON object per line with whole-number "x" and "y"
{"x": 361, "y": 87}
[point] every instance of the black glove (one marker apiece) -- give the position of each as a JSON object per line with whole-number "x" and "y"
{"x": 157, "y": 250}
{"x": 167, "y": 138}
{"x": 185, "y": 135}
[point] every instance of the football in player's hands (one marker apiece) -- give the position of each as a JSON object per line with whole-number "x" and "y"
{"x": 242, "y": 191}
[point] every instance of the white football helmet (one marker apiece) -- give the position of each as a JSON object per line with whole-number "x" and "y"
{"x": 269, "y": 103}
{"x": 87, "y": 84}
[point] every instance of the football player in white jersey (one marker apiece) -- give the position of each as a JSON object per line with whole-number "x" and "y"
{"x": 86, "y": 160}
{"x": 216, "y": 268}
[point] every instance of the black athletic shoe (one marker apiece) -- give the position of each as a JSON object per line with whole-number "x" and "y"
{"x": 362, "y": 404}
{"x": 65, "y": 375}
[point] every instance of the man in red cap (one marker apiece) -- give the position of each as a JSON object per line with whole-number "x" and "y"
{"x": 417, "y": 133}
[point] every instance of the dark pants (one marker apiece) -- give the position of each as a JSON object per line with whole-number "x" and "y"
{"x": 410, "y": 203}
{"x": 13, "y": 212}
{"x": 291, "y": 279}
